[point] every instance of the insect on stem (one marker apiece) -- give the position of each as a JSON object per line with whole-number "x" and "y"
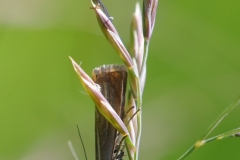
{"x": 112, "y": 80}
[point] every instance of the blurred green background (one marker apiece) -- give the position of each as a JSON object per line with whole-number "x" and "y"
{"x": 193, "y": 75}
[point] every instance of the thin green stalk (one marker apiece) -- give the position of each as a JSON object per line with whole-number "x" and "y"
{"x": 223, "y": 135}
{"x": 139, "y": 117}
{"x": 199, "y": 144}
{"x": 189, "y": 151}
{"x": 203, "y": 139}
{"x": 220, "y": 118}
{"x": 139, "y": 120}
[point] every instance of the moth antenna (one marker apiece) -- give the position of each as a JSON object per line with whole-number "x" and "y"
{"x": 85, "y": 153}
{"x": 132, "y": 117}
{"x": 130, "y": 109}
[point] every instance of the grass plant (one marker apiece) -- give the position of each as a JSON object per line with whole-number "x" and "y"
{"x": 135, "y": 59}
